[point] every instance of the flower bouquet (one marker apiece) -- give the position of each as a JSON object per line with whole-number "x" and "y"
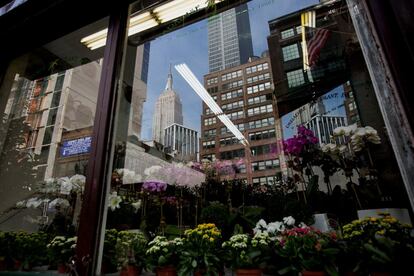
{"x": 201, "y": 248}
{"x": 130, "y": 251}
{"x": 246, "y": 255}
{"x": 381, "y": 244}
{"x": 308, "y": 251}
{"x": 60, "y": 250}
{"x": 163, "y": 255}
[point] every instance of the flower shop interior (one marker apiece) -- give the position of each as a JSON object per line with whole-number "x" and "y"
{"x": 194, "y": 137}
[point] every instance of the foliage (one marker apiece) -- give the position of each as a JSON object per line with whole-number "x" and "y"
{"x": 163, "y": 252}
{"x": 308, "y": 249}
{"x": 61, "y": 249}
{"x": 381, "y": 242}
{"x": 109, "y": 252}
{"x": 242, "y": 251}
{"x": 216, "y": 213}
{"x": 130, "y": 248}
{"x": 201, "y": 248}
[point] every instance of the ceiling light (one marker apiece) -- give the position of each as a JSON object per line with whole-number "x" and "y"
{"x": 192, "y": 80}
{"x": 149, "y": 19}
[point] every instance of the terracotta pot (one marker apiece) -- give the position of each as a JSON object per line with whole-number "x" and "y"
{"x": 130, "y": 270}
{"x": 313, "y": 273}
{"x": 350, "y": 273}
{"x": 62, "y": 268}
{"x": 248, "y": 272}
{"x": 202, "y": 272}
{"x": 17, "y": 265}
{"x": 3, "y": 264}
{"x": 166, "y": 271}
{"x": 380, "y": 274}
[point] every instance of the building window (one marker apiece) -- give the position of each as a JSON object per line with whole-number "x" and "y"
{"x": 209, "y": 121}
{"x": 352, "y": 106}
{"x": 259, "y": 99}
{"x": 231, "y": 85}
{"x": 290, "y": 52}
{"x": 209, "y": 144}
{"x": 262, "y": 135}
{"x": 210, "y": 133}
{"x": 258, "y": 88}
{"x": 295, "y": 78}
{"x": 266, "y": 180}
{"x": 212, "y": 90}
{"x": 212, "y": 81}
{"x": 211, "y": 157}
{"x": 236, "y": 115}
{"x": 287, "y": 33}
{"x": 225, "y": 130}
{"x": 257, "y": 68}
{"x": 262, "y": 123}
{"x": 232, "y": 94}
{"x": 261, "y": 150}
{"x": 228, "y": 155}
{"x": 229, "y": 141}
{"x": 231, "y": 75}
{"x": 259, "y": 110}
{"x": 258, "y": 78}
{"x": 232, "y": 105}
{"x": 265, "y": 165}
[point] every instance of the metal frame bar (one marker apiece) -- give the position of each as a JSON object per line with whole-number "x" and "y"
{"x": 91, "y": 218}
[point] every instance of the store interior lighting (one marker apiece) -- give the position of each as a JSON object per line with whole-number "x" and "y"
{"x": 191, "y": 79}
{"x": 149, "y": 19}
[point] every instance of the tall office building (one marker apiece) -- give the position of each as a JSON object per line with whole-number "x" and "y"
{"x": 181, "y": 142}
{"x": 168, "y": 111}
{"x": 229, "y": 39}
{"x": 244, "y": 93}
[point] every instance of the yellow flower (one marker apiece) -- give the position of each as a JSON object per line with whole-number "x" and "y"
{"x": 373, "y": 219}
{"x": 205, "y": 236}
{"x": 211, "y": 239}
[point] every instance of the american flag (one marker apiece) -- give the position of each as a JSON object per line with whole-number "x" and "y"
{"x": 315, "y": 44}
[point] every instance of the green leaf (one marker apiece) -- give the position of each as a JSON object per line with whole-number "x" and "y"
{"x": 194, "y": 263}
{"x": 285, "y": 270}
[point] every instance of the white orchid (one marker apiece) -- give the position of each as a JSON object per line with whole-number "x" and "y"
{"x": 114, "y": 201}
{"x": 290, "y": 221}
{"x": 137, "y": 205}
{"x": 152, "y": 171}
{"x": 78, "y": 182}
{"x": 64, "y": 203}
{"x": 65, "y": 185}
{"x": 34, "y": 202}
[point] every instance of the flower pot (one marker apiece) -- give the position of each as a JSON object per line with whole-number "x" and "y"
{"x": 166, "y": 271}
{"x": 313, "y": 273}
{"x": 130, "y": 270}
{"x": 17, "y": 265}
{"x": 3, "y": 264}
{"x": 380, "y": 274}
{"x": 62, "y": 268}
{"x": 248, "y": 272}
{"x": 202, "y": 272}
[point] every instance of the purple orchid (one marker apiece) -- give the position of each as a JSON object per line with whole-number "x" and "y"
{"x": 154, "y": 186}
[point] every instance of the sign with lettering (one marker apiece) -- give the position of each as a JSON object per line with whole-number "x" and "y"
{"x": 75, "y": 147}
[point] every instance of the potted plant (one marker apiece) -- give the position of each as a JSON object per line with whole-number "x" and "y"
{"x": 246, "y": 255}
{"x": 109, "y": 263}
{"x": 33, "y": 244}
{"x": 308, "y": 251}
{"x": 130, "y": 252}
{"x": 59, "y": 250}
{"x": 163, "y": 255}
{"x": 201, "y": 248}
{"x": 3, "y": 250}
{"x": 384, "y": 244}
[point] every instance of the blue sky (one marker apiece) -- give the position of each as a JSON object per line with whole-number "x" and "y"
{"x": 189, "y": 45}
